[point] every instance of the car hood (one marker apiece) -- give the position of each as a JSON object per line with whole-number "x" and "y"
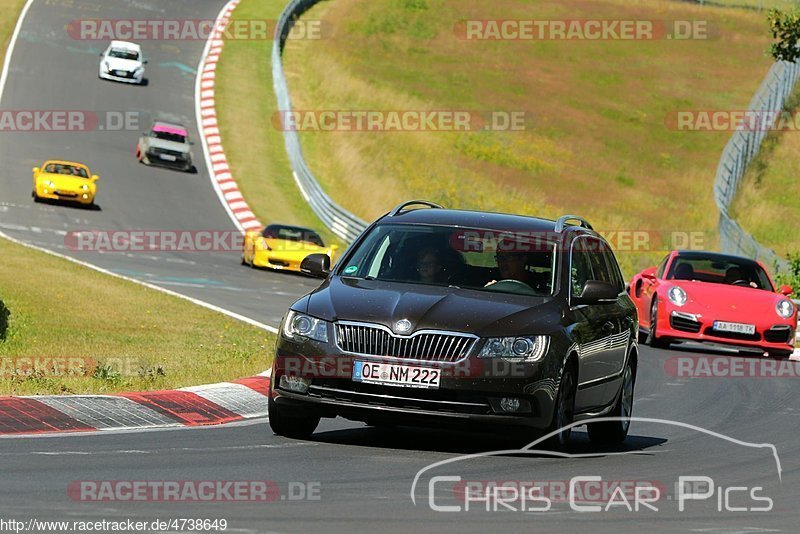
{"x": 116, "y": 63}
{"x": 64, "y": 181}
{"x": 726, "y": 299}
{"x": 168, "y": 145}
{"x": 431, "y": 307}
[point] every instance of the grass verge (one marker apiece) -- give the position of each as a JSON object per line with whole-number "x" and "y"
{"x": 599, "y": 143}
{"x": 245, "y": 109}
{"x": 74, "y": 330}
{"x": 768, "y": 199}
{"x": 68, "y": 329}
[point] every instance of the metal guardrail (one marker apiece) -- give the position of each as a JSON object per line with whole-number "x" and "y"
{"x": 341, "y": 222}
{"x": 740, "y": 151}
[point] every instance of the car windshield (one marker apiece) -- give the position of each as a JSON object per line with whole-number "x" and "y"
{"x": 744, "y": 273}
{"x": 65, "y": 169}
{"x": 123, "y": 54}
{"x": 291, "y": 233}
{"x": 168, "y": 136}
{"x": 487, "y": 260}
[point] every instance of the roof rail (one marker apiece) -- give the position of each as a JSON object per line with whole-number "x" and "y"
{"x": 562, "y": 222}
{"x": 400, "y": 207}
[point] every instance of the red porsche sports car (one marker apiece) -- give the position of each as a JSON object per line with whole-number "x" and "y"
{"x": 710, "y": 297}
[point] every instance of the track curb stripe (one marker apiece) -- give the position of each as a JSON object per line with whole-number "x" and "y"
{"x": 206, "y": 110}
{"x": 209, "y": 404}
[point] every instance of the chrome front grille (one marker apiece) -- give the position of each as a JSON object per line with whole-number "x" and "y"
{"x": 425, "y": 345}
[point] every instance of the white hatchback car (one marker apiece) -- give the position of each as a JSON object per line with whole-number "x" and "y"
{"x": 122, "y": 62}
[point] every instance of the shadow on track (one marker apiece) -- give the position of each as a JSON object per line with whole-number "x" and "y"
{"x": 465, "y": 442}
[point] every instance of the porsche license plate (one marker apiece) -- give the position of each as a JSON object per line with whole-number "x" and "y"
{"x": 167, "y": 157}
{"x": 391, "y": 374}
{"x": 736, "y": 328}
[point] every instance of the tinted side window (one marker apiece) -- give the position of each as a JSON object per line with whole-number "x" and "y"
{"x": 613, "y": 268}
{"x": 580, "y": 267}
{"x": 597, "y": 255}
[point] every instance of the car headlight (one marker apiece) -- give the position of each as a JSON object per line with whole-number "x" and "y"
{"x": 85, "y": 187}
{"x": 529, "y": 349}
{"x": 677, "y": 296}
{"x": 784, "y": 308}
{"x": 107, "y": 66}
{"x": 300, "y": 326}
{"x": 50, "y": 184}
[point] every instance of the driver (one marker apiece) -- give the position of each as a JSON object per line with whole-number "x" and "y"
{"x": 512, "y": 262}
{"x": 734, "y": 275}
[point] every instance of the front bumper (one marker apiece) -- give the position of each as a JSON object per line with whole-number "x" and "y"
{"x": 681, "y": 324}
{"x": 470, "y": 391}
{"x": 79, "y": 196}
{"x": 183, "y": 163}
{"x": 271, "y": 259}
{"x": 109, "y": 75}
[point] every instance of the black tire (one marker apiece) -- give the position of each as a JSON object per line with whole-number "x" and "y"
{"x": 564, "y": 411}
{"x": 609, "y": 432}
{"x": 652, "y": 337}
{"x": 288, "y": 426}
{"x": 36, "y": 198}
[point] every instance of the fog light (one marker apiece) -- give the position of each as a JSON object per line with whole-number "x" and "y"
{"x": 85, "y": 196}
{"x": 295, "y": 383}
{"x": 45, "y": 191}
{"x": 509, "y": 404}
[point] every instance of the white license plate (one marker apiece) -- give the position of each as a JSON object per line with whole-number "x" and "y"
{"x": 391, "y": 374}
{"x": 736, "y": 328}
{"x": 167, "y": 157}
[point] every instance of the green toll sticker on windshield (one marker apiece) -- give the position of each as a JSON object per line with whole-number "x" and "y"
{"x": 351, "y": 269}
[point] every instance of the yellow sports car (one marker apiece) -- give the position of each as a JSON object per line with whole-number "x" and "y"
{"x": 64, "y": 180}
{"x": 282, "y": 247}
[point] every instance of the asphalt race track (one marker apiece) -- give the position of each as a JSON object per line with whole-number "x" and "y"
{"x": 52, "y": 71}
{"x": 362, "y": 476}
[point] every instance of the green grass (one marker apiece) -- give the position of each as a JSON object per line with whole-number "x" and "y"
{"x": 757, "y": 4}
{"x": 597, "y": 142}
{"x": 768, "y": 201}
{"x": 68, "y": 329}
{"x": 92, "y": 333}
{"x": 245, "y": 111}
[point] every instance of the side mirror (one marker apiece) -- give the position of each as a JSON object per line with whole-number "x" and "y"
{"x": 649, "y": 274}
{"x": 316, "y": 265}
{"x": 36, "y": 170}
{"x": 786, "y": 290}
{"x": 595, "y": 292}
{"x": 95, "y": 177}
